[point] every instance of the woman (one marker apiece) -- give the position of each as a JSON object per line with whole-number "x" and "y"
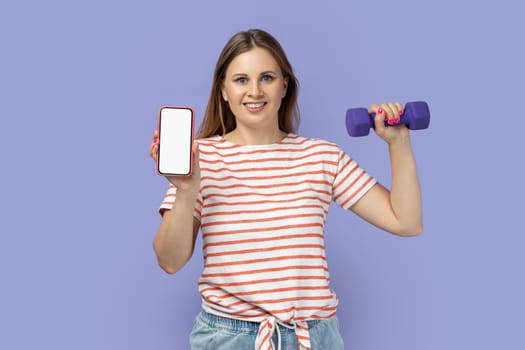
{"x": 260, "y": 193}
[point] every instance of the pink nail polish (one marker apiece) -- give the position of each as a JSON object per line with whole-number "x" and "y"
{"x": 380, "y": 110}
{"x": 401, "y": 112}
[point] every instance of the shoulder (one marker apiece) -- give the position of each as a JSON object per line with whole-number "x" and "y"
{"x": 216, "y": 142}
{"x": 311, "y": 143}
{"x": 208, "y": 141}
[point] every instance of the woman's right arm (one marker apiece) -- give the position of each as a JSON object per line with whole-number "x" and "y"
{"x": 174, "y": 241}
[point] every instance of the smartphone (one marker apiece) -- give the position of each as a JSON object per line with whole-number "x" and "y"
{"x": 175, "y": 140}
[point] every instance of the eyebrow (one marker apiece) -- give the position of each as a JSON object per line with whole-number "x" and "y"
{"x": 262, "y": 73}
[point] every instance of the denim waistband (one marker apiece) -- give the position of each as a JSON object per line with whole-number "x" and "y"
{"x": 242, "y": 326}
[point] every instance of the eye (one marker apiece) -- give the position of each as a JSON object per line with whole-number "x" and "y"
{"x": 241, "y": 80}
{"x": 267, "y": 77}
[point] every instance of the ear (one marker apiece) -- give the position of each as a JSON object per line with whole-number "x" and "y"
{"x": 285, "y": 86}
{"x": 224, "y": 93}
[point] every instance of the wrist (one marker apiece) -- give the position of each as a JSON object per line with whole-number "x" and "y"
{"x": 187, "y": 193}
{"x": 400, "y": 141}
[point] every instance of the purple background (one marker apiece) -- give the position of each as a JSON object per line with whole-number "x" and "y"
{"x": 80, "y": 87}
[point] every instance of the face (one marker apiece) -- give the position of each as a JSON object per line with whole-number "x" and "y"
{"x": 254, "y": 87}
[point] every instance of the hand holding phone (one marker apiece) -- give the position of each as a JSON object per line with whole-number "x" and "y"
{"x": 175, "y": 156}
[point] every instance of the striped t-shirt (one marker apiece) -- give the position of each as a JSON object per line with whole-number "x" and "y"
{"x": 262, "y": 210}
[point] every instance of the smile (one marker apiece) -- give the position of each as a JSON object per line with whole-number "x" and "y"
{"x": 255, "y": 105}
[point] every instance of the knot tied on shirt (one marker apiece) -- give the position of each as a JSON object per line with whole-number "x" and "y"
{"x": 270, "y": 326}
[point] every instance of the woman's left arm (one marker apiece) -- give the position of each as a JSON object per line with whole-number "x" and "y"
{"x": 399, "y": 210}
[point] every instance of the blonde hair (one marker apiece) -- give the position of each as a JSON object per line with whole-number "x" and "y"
{"x": 218, "y": 117}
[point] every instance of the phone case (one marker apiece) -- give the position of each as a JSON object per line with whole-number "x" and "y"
{"x": 176, "y": 126}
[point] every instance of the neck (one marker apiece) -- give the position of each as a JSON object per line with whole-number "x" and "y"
{"x": 254, "y": 137}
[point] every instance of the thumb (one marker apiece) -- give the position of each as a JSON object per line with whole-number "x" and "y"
{"x": 196, "y": 154}
{"x": 379, "y": 119}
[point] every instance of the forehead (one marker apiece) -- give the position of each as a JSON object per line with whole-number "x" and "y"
{"x": 254, "y": 61}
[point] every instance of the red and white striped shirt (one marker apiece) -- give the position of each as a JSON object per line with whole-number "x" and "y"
{"x": 262, "y": 210}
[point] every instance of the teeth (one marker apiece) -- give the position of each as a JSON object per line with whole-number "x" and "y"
{"x": 255, "y": 105}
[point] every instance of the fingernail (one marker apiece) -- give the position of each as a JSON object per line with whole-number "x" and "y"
{"x": 380, "y": 110}
{"x": 397, "y": 120}
{"x": 155, "y": 140}
{"x": 401, "y": 112}
{"x": 390, "y": 122}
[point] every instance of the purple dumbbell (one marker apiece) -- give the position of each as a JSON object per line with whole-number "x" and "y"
{"x": 416, "y": 116}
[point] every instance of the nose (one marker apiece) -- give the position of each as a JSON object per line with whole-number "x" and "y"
{"x": 255, "y": 89}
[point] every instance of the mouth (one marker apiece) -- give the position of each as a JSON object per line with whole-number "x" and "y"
{"x": 252, "y": 106}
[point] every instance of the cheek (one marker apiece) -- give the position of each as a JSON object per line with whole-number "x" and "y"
{"x": 231, "y": 93}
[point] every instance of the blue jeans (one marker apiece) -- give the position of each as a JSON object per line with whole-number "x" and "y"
{"x": 212, "y": 332}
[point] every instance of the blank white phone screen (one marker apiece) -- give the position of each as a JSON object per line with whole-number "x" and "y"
{"x": 175, "y": 138}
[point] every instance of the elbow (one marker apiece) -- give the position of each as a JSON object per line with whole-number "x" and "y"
{"x": 170, "y": 270}
{"x": 169, "y": 263}
{"x": 171, "y": 266}
{"x": 412, "y": 231}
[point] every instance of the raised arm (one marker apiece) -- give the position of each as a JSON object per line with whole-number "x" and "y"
{"x": 398, "y": 210}
{"x": 174, "y": 241}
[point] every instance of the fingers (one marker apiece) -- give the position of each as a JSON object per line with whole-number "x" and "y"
{"x": 154, "y": 151}
{"x": 154, "y": 147}
{"x": 392, "y": 112}
{"x": 196, "y": 155}
{"x": 373, "y": 108}
{"x": 387, "y": 112}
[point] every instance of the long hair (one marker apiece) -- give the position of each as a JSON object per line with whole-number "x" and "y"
{"x": 218, "y": 117}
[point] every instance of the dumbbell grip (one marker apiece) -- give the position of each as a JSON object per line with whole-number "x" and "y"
{"x": 402, "y": 120}
{"x": 416, "y": 116}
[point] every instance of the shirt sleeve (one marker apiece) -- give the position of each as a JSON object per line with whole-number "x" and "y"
{"x": 351, "y": 182}
{"x": 169, "y": 200}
